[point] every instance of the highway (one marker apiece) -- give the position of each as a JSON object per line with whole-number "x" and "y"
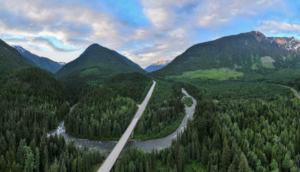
{"x": 113, "y": 156}
{"x": 295, "y": 91}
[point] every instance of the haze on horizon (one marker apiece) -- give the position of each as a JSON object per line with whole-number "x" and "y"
{"x": 145, "y": 31}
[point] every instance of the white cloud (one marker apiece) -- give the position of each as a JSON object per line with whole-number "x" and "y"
{"x": 273, "y": 27}
{"x": 171, "y": 29}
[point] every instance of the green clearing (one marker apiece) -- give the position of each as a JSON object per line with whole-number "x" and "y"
{"x": 218, "y": 74}
{"x": 92, "y": 71}
{"x": 188, "y": 101}
{"x": 267, "y": 62}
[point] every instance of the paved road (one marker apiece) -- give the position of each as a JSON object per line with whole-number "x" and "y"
{"x": 295, "y": 91}
{"x": 113, "y": 156}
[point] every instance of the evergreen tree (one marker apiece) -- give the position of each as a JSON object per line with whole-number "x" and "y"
{"x": 274, "y": 165}
{"x": 37, "y": 160}
{"x": 226, "y": 158}
{"x": 180, "y": 159}
{"x": 141, "y": 169}
{"x": 243, "y": 166}
{"x": 74, "y": 166}
{"x": 29, "y": 162}
{"x": 131, "y": 167}
{"x": 204, "y": 157}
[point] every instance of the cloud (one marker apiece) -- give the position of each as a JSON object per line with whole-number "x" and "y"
{"x": 48, "y": 43}
{"x": 273, "y": 27}
{"x": 16, "y": 40}
{"x": 144, "y": 30}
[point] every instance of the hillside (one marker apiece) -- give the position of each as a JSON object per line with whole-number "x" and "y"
{"x": 158, "y": 65}
{"x": 10, "y": 59}
{"x": 38, "y": 61}
{"x": 246, "y": 55}
{"x": 32, "y": 102}
{"x": 95, "y": 64}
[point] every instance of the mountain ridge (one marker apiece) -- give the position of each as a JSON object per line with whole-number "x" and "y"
{"x": 10, "y": 59}
{"x": 37, "y": 61}
{"x": 249, "y": 52}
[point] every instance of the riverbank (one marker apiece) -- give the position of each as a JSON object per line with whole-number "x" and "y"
{"x": 170, "y": 128}
{"x": 147, "y": 145}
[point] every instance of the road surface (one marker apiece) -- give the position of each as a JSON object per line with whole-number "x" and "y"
{"x": 295, "y": 91}
{"x": 113, "y": 156}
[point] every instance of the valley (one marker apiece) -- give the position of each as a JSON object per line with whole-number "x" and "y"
{"x": 216, "y": 107}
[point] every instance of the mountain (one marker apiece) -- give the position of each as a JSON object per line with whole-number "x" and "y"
{"x": 62, "y": 63}
{"x": 158, "y": 65}
{"x": 10, "y": 59}
{"x": 249, "y": 54}
{"x": 97, "y": 63}
{"x": 38, "y": 61}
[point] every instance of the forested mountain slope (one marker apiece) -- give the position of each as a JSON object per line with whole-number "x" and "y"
{"x": 97, "y": 63}
{"x": 10, "y": 59}
{"x": 41, "y": 62}
{"x": 235, "y": 55}
{"x": 32, "y": 102}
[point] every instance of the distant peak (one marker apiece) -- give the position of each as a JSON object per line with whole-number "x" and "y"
{"x": 19, "y": 48}
{"x": 62, "y": 63}
{"x": 161, "y": 62}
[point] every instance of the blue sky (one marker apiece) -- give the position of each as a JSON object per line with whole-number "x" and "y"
{"x": 145, "y": 31}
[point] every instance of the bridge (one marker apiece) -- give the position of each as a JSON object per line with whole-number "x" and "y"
{"x": 113, "y": 156}
{"x": 295, "y": 91}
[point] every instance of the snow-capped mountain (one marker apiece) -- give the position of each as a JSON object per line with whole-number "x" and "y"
{"x": 158, "y": 65}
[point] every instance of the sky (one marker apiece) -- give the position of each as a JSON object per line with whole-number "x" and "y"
{"x": 145, "y": 31}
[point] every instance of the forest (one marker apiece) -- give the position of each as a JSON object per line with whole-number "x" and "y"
{"x": 229, "y": 135}
{"x": 106, "y": 112}
{"x": 237, "y": 126}
{"x": 32, "y": 102}
{"x": 163, "y": 113}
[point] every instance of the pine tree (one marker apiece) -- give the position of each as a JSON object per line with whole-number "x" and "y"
{"x": 37, "y": 160}
{"x": 234, "y": 148}
{"x": 274, "y": 165}
{"x": 141, "y": 169}
{"x": 2, "y": 145}
{"x": 20, "y": 153}
{"x": 74, "y": 165}
{"x": 204, "y": 157}
{"x": 243, "y": 166}
{"x": 180, "y": 159}
{"x": 131, "y": 167}
{"x": 2, "y": 163}
{"x": 226, "y": 158}
{"x": 29, "y": 162}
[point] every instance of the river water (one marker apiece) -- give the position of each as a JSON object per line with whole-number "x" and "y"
{"x": 147, "y": 145}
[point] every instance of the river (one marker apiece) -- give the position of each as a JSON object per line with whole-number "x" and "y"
{"x": 147, "y": 145}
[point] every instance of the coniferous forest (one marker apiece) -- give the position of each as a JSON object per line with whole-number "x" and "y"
{"x": 163, "y": 114}
{"x": 229, "y": 135}
{"x": 32, "y": 103}
{"x": 106, "y": 112}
